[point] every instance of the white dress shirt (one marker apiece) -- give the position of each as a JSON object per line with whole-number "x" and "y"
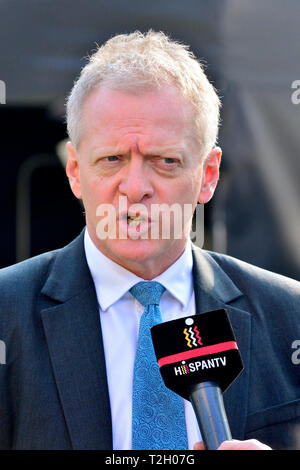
{"x": 120, "y": 314}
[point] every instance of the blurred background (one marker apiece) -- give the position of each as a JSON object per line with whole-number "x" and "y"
{"x": 252, "y": 54}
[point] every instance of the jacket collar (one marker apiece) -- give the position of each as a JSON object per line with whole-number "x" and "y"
{"x": 69, "y": 274}
{"x": 211, "y": 280}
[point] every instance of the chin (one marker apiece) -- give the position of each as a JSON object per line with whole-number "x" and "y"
{"x": 136, "y": 250}
{"x": 129, "y": 252}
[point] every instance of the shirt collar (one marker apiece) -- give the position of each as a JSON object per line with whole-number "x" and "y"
{"x": 112, "y": 281}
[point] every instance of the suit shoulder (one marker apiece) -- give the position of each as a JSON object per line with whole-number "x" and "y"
{"x": 20, "y": 287}
{"x": 249, "y": 277}
{"x": 26, "y": 274}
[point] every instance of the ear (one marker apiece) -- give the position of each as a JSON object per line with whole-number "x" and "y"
{"x": 210, "y": 175}
{"x": 72, "y": 170}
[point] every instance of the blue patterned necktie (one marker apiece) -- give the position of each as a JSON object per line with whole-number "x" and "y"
{"x": 158, "y": 421}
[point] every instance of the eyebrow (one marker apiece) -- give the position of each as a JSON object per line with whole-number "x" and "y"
{"x": 154, "y": 151}
{"x": 166, "y": 151}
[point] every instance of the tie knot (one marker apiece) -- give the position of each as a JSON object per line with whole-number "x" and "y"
{"x": 147, "y": 292}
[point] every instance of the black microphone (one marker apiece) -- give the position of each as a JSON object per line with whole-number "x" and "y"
{"x": 199, "y": 359}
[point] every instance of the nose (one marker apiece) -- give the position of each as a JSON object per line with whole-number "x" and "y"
{"x": 135, "y": 182}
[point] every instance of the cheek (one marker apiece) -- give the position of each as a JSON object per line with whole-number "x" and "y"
{"x": 89, "y": 190}
{"x": 187, "y": 190}
{"x": 196, "y": 183}
{"x": 98, "y": 190}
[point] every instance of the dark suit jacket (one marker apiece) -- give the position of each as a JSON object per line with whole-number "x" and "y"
{"x": 53, "y": 388}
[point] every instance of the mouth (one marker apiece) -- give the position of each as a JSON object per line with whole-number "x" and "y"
{"x": 135, "y": 223}
{"x": 135, "y": 220}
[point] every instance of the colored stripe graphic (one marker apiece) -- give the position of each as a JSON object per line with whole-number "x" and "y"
{"x": 187, "y": 338}
{"x": 198, "y": 336}
{"x": 213, "y": 349}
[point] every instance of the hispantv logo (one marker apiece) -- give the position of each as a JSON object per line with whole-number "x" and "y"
{"x": 191, "y": 367}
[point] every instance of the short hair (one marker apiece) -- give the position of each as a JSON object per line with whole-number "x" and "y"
{"x": 136, "y": 61}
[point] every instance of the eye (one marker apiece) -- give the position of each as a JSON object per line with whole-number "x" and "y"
{"x": 112, "y": 158}
{"x": 166, "y": 163}
{"x": 108, "y": 163}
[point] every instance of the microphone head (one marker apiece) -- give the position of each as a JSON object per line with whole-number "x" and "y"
{"x": 197, "y": 349}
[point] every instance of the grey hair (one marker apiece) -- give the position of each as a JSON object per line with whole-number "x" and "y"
{"x": 137, "y": 61}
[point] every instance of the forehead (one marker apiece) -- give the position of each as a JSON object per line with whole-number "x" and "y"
{"x": 113, "y": 114}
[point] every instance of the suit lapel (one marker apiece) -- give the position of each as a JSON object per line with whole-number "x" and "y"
{"x": 73, "y": 334}
{"x": 214, "y": 290}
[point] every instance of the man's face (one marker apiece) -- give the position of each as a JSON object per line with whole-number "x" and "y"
{"x": 137, "y": 148}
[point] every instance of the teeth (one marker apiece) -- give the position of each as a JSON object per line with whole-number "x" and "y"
{"x": 134, "y": 220}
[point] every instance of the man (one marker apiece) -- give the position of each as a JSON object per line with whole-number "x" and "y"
{"x": 143, "y": 122}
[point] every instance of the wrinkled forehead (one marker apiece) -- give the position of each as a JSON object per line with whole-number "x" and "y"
{"x": 108, "y": 110}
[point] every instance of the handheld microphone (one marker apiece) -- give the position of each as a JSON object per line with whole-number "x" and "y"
{"x": 199, "y": 359}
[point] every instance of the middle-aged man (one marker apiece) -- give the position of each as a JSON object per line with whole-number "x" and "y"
{"x": 143, "y": 123}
